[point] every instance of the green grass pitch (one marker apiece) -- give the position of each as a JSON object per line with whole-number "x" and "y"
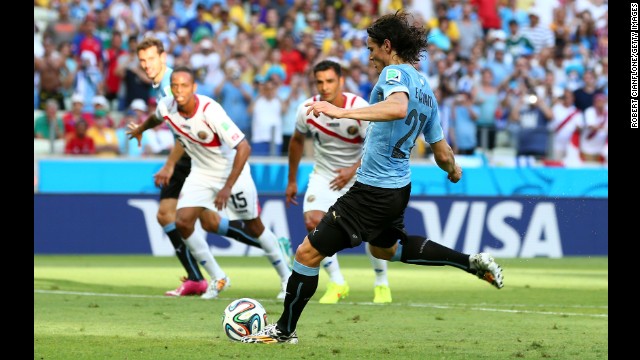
{"x": 113, "y": 307}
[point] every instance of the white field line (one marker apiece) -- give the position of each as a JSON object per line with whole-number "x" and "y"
{"x": 475, "y": 307}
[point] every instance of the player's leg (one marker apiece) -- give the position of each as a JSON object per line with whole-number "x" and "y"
{"x": 274, "y": 253}
{"x": 244, "y": 206}
{"x": 196, "y": 195}
{"x": 332, "y": 234}
{"x": 317, "y": 199}
{"x": 381, "y": 289}
{"x": 419, "y": 250}
{"x": 236, "y": 230}
{"x": 194, "y": 283}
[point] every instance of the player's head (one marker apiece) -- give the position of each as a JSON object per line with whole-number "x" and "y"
{"x": 329, "y": 80}
{"x": 393, "y": 40}
{"x": 152, "y": 57}
{"x": 183, "y": 84}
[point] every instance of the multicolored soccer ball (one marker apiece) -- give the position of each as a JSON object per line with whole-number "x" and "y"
{"x": 243, "y": 317}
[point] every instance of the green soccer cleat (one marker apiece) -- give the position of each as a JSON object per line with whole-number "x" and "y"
{"x": 382, "y": 294}
{"x": 334, "y": 293}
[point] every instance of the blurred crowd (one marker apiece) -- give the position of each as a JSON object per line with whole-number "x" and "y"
{"x": 521, "y": 77}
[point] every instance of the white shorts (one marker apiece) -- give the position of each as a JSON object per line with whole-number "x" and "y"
{"x": 319, "y": 195}
{"x": 200, "y": 190}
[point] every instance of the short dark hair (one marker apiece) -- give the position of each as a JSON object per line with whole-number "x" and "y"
{"x": 326, "y": 65}
{"x": 187, "y": 70}
{"x": 407, "y": 40}
{"x": 150, "y": 41}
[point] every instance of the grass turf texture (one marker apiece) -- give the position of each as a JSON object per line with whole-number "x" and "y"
{"x": 112, "y": 307}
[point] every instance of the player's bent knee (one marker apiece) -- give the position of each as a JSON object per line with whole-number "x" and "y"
{"x": 308, "y": 255}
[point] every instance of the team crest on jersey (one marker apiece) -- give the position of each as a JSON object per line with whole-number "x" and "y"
{"x": 352, "y": 130}
{"x": 393, "y": 75}
{"x": 311, "y": 198}
{"x": 235, "y": 137}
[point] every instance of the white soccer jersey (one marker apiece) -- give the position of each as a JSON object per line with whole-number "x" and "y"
{"x": 565, "y": 122}
{"x": 209, "y": 136}
{"x": 337, "y": 143}
{"x": 592, "y": 141}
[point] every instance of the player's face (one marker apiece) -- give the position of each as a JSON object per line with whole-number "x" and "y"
{"x": 377, "y": 55}
{"x": 183, "y": 87}
{"x": 329, "y": 85}
{"x": 152, "y": 63}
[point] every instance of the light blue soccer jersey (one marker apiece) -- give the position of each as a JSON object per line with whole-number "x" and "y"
{"x": 163, "y": 88}
{"x": 387, "y": 145}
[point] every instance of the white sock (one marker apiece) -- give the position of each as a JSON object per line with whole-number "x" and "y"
{"x": 201, "y": 251}
{"x": 379, "y": 267}
{"x": 331, "y": 265}
{"x": 269, "y": 243}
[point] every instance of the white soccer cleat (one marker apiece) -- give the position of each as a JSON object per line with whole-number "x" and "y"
{"x": 271, "y": 335}
{"x": 487, "y": 269}
{"x": 215, "y": 287}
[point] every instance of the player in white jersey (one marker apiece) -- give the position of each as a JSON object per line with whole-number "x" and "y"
{"x": 337, "y": 152}
{"x": 595, "y": 134}
{"x": 219, "y": 173}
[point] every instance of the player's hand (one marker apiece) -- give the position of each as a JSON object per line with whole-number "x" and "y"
{"x": 328, "y": 109}
{"x": 290, "y": 193}
{"x": 220, "y": 202}
{"x": 161, "y": 178}
{"x": 135, "y": 132}
{"x": 456, "y": 175}
{"x": 342, "y": 179}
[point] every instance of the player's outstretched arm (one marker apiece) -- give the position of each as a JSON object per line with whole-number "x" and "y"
{"x": 296, "y": 146}
{"x": 394, "y": 107}
{"x": 446, "y": 161}
{"x": 135, "y": 130}
{"x": 243, "y": 150}
{"x": 163, "y": 175}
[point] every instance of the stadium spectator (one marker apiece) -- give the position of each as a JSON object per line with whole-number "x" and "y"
{"x": 487, "y": 99}
{"x": 79, "y": 143}
{"x": 594, "y": 136}
{"x": 63, "y": 28}
{"x": 565, "y": 127}
{"x": 470, "y": 31}
{"x": 198, "y": 27}
{"x": 299, "y": 92}
{"x": 75, "y": 115}
{"x": 165, "y": 10}
{"x": 49, "y": 125}
{"x": 112, "y": 81}
{"x": 539, "y": 35}
{"x": 88, "y": 81}
{"x": 584, "y": 95}
{"x": 266, "y": 121}
{"x": 104, "y": 137}
{"x": 49, "y": 68}
{"x": 464, "y": 115}
{"x": 235, "y": 96}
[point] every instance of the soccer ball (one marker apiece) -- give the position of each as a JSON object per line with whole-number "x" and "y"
{"x": 243, "y": 317}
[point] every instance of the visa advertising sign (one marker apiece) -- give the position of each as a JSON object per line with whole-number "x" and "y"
{"x": 508, "y": 227}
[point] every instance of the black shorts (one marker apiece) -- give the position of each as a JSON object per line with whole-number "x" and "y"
{"x": 365, "y": 213}
{"x": 180, "y": 173}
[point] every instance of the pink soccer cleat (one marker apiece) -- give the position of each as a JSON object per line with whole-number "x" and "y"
{"x": 189, "y": 287}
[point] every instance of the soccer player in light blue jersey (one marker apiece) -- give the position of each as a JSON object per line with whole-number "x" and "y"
{"x": 402, "y": 107}
{"x": 171, "y": 177}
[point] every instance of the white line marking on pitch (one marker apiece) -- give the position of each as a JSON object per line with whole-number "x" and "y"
{"x": 434, "y": 306}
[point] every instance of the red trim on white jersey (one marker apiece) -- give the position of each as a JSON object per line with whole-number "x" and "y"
{"x": 213, "y": 143}
{"x": 355, "y": 140}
